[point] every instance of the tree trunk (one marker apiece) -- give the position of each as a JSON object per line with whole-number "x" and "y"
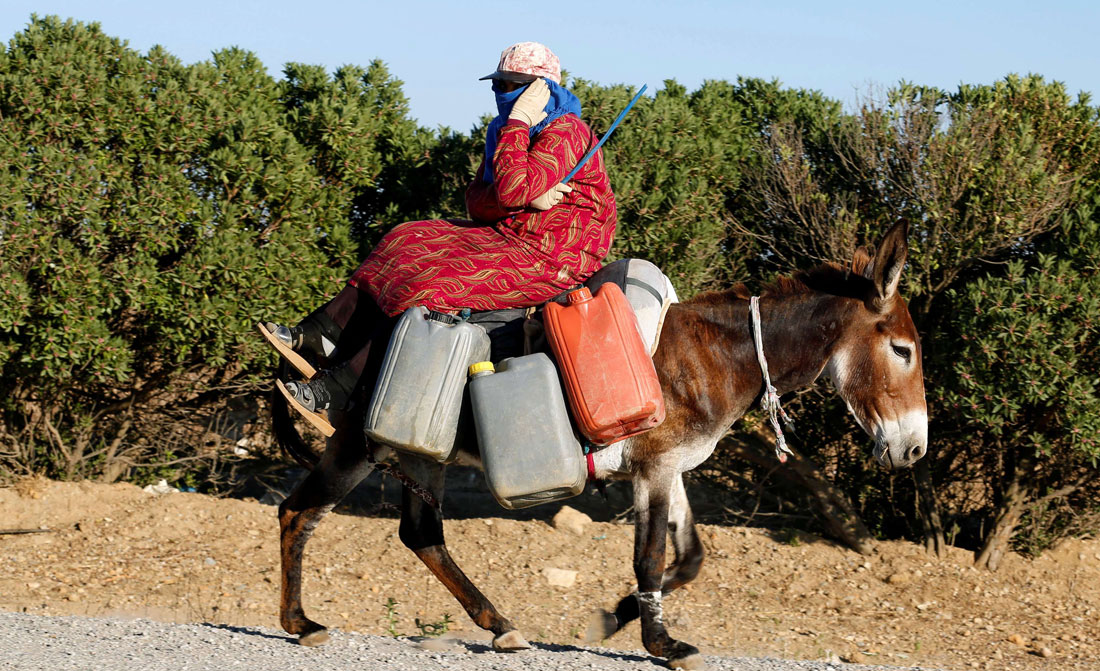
{"x": 996, "y": 541}
{"x": 113, "y": 468}
{"x": 931, "y": 522}
{"x": 841, "y": 517}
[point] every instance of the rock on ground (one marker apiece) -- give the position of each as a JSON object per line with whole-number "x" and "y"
{"x": 571, "y": 520}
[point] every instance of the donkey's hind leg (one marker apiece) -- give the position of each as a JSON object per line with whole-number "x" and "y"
{"x": 343, "y": 466}
{"x": 688, "y": 552}
{"x": 422, "y": 532}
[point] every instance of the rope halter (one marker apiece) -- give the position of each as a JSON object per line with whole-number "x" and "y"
{"x": 769, "y": 401}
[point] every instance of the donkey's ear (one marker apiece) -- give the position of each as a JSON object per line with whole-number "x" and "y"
{"x": 885, "y": 270}
{"x": 861, "y": 262}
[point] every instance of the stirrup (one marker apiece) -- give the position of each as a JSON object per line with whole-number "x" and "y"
{"x": 318, "y": 418}
{"x": 281, "y": 342}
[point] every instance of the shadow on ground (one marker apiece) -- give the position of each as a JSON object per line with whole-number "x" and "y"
{"x": 467, "y": 497}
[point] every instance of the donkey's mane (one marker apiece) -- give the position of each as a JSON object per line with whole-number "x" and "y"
{"x": 827, "y": 278}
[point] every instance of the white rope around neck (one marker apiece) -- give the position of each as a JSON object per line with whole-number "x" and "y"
{"x": 770, "y": 399}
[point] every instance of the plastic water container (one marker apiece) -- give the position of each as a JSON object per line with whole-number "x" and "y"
{"x": 528, "y": 447}
{"x": 418, "y": 395}
{"x": 609, "y": 377}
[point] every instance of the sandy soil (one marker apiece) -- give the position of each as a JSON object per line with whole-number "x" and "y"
{"x": 115, "y": 550}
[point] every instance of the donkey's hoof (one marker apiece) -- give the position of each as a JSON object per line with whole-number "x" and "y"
{"x": 690, "y": 662}
{"x": 601, "y": 625}
{"x": 510, "y": 641}
{"x": 314, "y": 638}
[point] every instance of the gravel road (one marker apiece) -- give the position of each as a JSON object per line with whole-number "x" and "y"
{"x": 32, "y": 642}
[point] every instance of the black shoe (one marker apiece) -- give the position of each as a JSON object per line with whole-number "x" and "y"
{"x": 332, "y": 390}
{"x": 315, "y": 337}
{"x": 283, "y": 340}
{"x": 312, "y": 400}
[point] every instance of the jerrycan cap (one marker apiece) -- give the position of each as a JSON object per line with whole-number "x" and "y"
{"x": 580, "y": 295}
{"x": 441, "y": 317}
{"x": 482, "y": 367}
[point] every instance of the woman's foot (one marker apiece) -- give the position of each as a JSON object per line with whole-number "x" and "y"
{"x": 283, "y": 341}
{"x": 311, "y": 400}
{"x": 331, "y": 390}
{"x": 315, "y": 337}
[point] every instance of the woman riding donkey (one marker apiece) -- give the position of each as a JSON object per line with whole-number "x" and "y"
{"x": 531, "y": 237}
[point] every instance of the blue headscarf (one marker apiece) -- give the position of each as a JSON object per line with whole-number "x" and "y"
{"x": 561, "y": 102}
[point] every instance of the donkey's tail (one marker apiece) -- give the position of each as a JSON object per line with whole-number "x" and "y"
{"x": 282, "y": 426}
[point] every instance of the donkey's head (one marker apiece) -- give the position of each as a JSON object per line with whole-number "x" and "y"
{"x": 876, "y": 365}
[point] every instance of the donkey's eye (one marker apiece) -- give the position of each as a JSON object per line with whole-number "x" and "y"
{"x": 903, "y": 352}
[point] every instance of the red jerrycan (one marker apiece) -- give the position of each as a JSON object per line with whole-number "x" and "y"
{"x": 609, "y": 377}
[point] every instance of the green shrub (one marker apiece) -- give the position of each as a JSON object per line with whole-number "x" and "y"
{"x": 150, "y": 214}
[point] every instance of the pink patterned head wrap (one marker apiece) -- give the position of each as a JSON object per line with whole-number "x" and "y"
{"x": 527, "y": 61}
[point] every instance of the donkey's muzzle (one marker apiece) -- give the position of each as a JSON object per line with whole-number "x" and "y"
{"x": 901, "y": 456}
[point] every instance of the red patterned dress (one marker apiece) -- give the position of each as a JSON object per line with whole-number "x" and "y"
{"x": 510, "y": 255}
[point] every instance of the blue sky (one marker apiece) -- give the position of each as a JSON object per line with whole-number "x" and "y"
{"x": 439, "y": 49}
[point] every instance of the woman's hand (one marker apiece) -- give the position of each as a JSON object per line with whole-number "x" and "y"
{"x": 551, "y": 197}
{"x": 530, "y": 107}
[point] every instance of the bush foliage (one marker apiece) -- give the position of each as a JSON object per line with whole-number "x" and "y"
{"x": 151, "y": 212}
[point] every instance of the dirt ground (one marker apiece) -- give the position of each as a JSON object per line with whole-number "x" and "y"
{"x": 114, "y": 550}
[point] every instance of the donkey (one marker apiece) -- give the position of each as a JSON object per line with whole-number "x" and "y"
{"x": 849, "y": 324}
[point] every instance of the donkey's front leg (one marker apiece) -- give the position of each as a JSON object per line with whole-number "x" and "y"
{"x": 343, "y": 466}
{"x": 652, "y": 492}
{"x": 688, "y": 552}
{"x": 422, "y": 532}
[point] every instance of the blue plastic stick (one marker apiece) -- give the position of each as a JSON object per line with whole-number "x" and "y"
{"x": 606, "y": 135}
